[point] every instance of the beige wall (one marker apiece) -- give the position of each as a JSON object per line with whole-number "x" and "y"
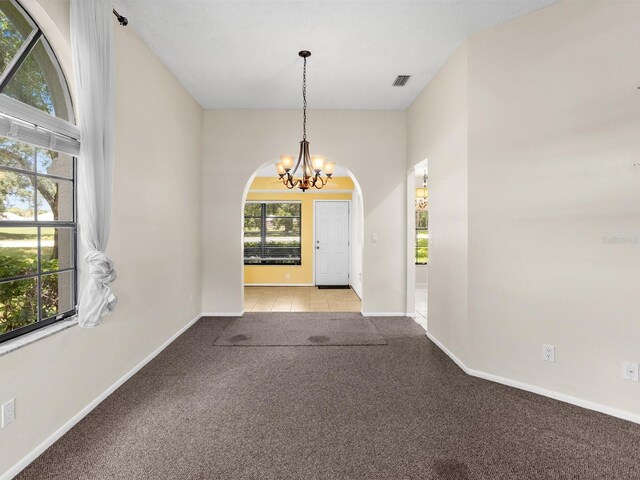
{"x": 552, "y": 135}
{"x": 437, "y": 131}
{"x": 155, "y": 243}
{"x": 371, "y": 144}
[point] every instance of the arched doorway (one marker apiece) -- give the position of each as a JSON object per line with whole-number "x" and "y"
{"x": 283, "y": 263}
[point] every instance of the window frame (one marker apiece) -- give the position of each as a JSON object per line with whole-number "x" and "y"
{"x": 271, "y": 261}
{"x": 42, "y": 126}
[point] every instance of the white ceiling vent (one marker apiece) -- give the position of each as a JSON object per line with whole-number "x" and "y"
{"x": 401, "y": 80}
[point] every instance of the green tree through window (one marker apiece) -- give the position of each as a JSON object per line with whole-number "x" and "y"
{"x": 272, "y": 233}
{"x": 422, "y": 237}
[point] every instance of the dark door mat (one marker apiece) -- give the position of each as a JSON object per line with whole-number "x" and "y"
{"x": 334, "y": 287}
{"x": 293, "y": 329}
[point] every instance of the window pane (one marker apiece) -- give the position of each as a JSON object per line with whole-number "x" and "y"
{"x": 280, "y": 231}
{"x": 14, "y": 30}
{"x": 15, "y": 154}
{"x": 252, "y": 226}
{"x": 54, "y": 163}
{"x": 283, "y": 227}
{"x": 16, "y": 196}
{"x": 37, "y": 83}
{"x": 422, "y": 219}
{"x": 283, "y": 209}
{"x": 57, "y": 294}
{"x": 56, "y": 248}
{"x": 18, "y": 304}
{"x": 18, "y": 251}
{"x": 55, "y": 200}
{"x": 252, "y": 209}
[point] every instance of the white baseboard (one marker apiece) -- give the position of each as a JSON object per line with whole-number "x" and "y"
{"x": 383, "y": 314}
{"x": 222, "y": 314}
{"x": 51, "y": 439}
{"x": 579, "y": 402}
{"x": 278, "y": 284}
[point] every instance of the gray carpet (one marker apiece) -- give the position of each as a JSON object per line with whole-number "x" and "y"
{"x": 300, "y": 329}
{"x": 399, "y": 411}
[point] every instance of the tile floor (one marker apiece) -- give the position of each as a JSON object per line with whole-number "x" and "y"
{"x": 299, "y": 299}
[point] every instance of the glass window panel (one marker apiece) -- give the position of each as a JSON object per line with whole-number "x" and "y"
{"x": 283, "y": 227}
{"x": 38, "y": 83}
{"x": 55, "y": 200}
{"x": 277, "y": 239}
{"x": 57, "y": 294}
{"x": 252, "y": 210}
{"x": 54, "y": 163}
{"x": 56, "y": 248}
{"x": 422, "y": 219}
{"x": 17, "y": 198}
{"x": 16, "y": 154}
{"x": 252, "y": 226}
{"x": 18, "y": 304}
{"x": 18, "y": 251}
{"x": 283, "y": 209}
{"x": 14, "y": 30}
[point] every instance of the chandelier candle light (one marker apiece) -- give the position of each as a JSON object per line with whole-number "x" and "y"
{"x": 311, "y": 166}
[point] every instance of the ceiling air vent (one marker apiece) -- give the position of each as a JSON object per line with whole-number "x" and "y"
{"x": 401, "y": 80}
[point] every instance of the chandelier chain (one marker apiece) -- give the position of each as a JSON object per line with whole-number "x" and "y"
{"x": 304, "y": 100}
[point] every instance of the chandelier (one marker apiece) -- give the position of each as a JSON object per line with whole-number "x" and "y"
{"x": 422, "y": 195}
{"x": 311, "y": 167}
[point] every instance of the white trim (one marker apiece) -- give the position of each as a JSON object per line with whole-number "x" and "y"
{"x": 278, "y": 284}
{"x": 51, "y": 439}
{"x": 222, "y": 314}
{"x": 39, "y": 334}
{"x": 383, "y": 314}
{"x": 580, "y": 402}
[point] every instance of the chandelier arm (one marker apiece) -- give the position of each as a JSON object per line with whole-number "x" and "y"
{"x": 307, "y": 160}
{"x": 323, "y": 182}
{"x": 300, "y": 157}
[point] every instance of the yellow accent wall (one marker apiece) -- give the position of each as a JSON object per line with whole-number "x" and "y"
{"x": 263, "y": 188}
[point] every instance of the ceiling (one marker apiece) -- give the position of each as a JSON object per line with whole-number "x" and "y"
{"x": 244, "y": 54}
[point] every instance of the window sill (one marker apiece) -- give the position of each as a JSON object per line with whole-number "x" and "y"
{"x": 31, "y": 337}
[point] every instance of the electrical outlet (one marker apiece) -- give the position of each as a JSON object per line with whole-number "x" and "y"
{"x": 548, "y": 353}
{"x": 630, "y": 371}
{"x": 8, "y": 412}
{"x": 287, "y": 276}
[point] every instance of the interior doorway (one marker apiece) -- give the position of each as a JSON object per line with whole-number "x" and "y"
{"x": 302, "y": 251}
{"x": 421, "y": 240}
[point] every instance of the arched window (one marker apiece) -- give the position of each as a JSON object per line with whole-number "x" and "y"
{"x": 38, "y": 145}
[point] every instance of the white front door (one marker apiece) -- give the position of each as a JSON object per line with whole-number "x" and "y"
{"x": 332, "y": 242}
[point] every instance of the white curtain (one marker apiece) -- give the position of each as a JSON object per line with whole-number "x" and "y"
{"x": 92, "y": 45}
